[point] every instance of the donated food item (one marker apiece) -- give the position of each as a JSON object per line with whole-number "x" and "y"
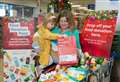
{"x": 77, "y": 73}
{"x": 49, "y": 81}
{"x": 7, "y": 55}
{"x": 4, "y": 75}
{"x": 6, "y": 64}
{"x": 43, "y": 77}
{"x": 63, "y": 77}
{"x": 105, "y": 61}
{"x": 17, "y": 71}
{"x": 82, "y": 61}
{"x": 16, "y": 62}
{"x": 23, "y": 71}
{"x": 99, "y": 60}
{"x": 29, "y": 78}
{"x": 12, "y": 76}
{"x": 28, "y": 60}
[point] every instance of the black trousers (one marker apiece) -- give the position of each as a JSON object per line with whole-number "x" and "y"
{"x": 115, "y": 74}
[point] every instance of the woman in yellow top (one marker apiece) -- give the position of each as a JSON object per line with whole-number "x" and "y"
{"x": 44, "y": 40}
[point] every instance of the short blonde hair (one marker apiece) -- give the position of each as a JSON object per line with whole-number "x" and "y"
{"x": 50, "y": 17}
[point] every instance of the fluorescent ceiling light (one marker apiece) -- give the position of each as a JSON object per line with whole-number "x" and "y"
{"x": 76, "y": 6}
{"x": 2, "y": 12}
{"x": 70, "y": 3}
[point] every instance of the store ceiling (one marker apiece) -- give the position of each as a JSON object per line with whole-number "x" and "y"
{"x": 82, "y": 3}
{"x": 75, "y": 2}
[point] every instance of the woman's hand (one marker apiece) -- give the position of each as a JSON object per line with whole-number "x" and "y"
{"x": 63, "y": 36}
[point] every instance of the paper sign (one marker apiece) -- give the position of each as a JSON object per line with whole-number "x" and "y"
{"x": 67, "y": 51}
{"x": 17, "y": 34}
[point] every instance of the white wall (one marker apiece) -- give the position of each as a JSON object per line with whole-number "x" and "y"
{"x": 32, "y": 3}
{"x": 109, "y": 5}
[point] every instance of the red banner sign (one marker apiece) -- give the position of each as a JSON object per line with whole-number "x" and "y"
{"x": 17, "y": 34}
{"x": 96, "y": 37}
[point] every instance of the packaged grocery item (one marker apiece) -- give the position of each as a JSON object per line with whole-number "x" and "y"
{"x": 6, "y": 64}
{"x": 49, "y": 81}
{"x": 4, "y": 75}
{"x": 20, "y": 67}
{"x": 77, "y": 73}
{"x": 8, "y": 56}
{"x": 27, "y": 60}
{"x": 63, "y": 77}
{"x": 17, "y": 71}
{"x": 54, "y": 45}
{"x": 16, "y": 61}
{"x": 29, "y": 78}
{"x": 23, "y": 71}
{"x": 12, "y": 76}
{"x": 99, "y": 60}
{"x": 43, "y": 77}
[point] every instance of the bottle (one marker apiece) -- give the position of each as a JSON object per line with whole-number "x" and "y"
{"x": 12, "y": 76}
{"x": 27, "y": 79}
{"x": 104, "y": 15}
{"x": 98, "y": 15}
{"x": 39, "y": 81}
{"x": 16, "y": 62}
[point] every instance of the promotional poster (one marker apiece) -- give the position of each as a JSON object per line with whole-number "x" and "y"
{"x": 17, "y": 33}
{"x": 97, "y": 35}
